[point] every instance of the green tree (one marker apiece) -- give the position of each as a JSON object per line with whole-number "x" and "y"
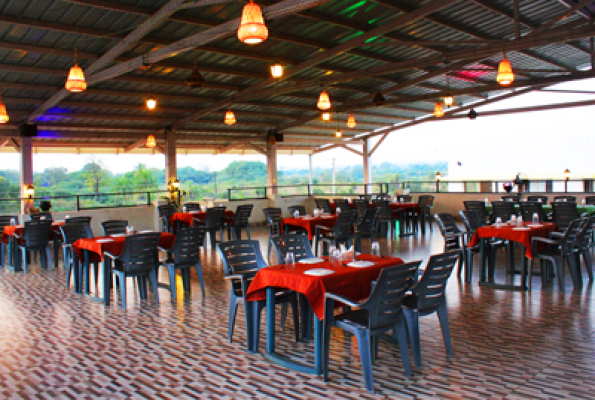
{"x": 95, "y": 175}
{"x": 144, "y": 179}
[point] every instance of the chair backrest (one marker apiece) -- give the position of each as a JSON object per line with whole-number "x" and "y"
{"x": 342, "y": 204}
{"x": 192, "y": 206}
{"x": 384, "y": 207}
{"x": 565, "y": 198}
{"x": 72, "y": 232}
{"x": 166, "y": 211}
{"x": 431, "y": 287}
{"x": 39, "y": 216}
{"x": 539, "y": 199}
{"x": 470, "y": 220}
{"x": 585, "y": 236}
{"x": 448, "y": 226}
{"x": 240, "y": 256}
{"x": 5, "y": 220}
{"x": 299, "y": 245}
{"x": 274, "y": 218}
{"x": 324, "y": 204}
{"x": 404, "y": 198}
{"x": 385, "y": 302}
{"x": 571, "y": 236}
{"x": 342, "y": 228}
{"x": 564, "y": 213}
{"x": 140, "y": 252}
{"x": 114, "y": 227}
{"x": 78, "y": 220}
{"x": 367, "y": 225}
{"x": 479, "y": 207}
{"x": 425, "y": 200}
{"x": 37, "y": 233}
{"x": 186, "y": 249}
{"x": 384, "y": 196}
{"x": 300, "y": 209}
{"x": 590, "y": 200}
{"x": 528, "y": 208}
{"x": 510, "y": 197}
{"x": 214, "y": 218}
{"x": 361, "y": 206}
{"x": 503, "y": 209}
{"x": 366, "y": 197}
{"x": 242, "y": 216}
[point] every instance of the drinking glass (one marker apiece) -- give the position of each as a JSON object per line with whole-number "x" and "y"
{"x": 13, "y": 222}
{"x": 376, "y": 249}
{"x": 184, "y": 209}
{"x": 513, "y": 219}
{"x": 42, "y": 218}
{"x": 584, "y": 202}
{"x": 67, "y": 217}
{"x": 336, "y": 257}
{"x": 539, "y": 200}
{"x": 203, "y": 208}
{"x": 535, "y": 218}
{"x": 129, "y": 230}
{"x": 486, "y": 201}
{"x": 519, "y": 221}
{"x": 290, "y": 260}
{"x": 316, "y": 212}
{"x": 338, "y": 210}
{"x": 296, "y": 214}
{"x": 498, "y": 222}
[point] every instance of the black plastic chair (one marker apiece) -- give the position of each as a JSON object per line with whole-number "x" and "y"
{"x": 454, "y": 241}
{"x": 274, "y": 218}
{"x": 299, "y": 245}
{"x": 384, "y": 196}
{"x": 590, "y": 200}
{"x": 426, "y": 203}
{"x": 166, "y": 211}
{"x": 479, "y": 208}
{"x": 366, "y": 228}
{"x": 325, "y": 205}
{"x": 361, "y": 206}
{"x": 563, "y": 213}
{"x": 538, "y": 199}
{"x": 5, "y": 221}
{"x": 212, "y": 223}
{"x": 186, "y": 254}
{"x": 342, "y": 204}
{"x": 569, "y": 199}
{"x": 388, "y": 216}
{"x": 114, "y": 227}
{"x": 139, "y": 260}
{"x": 503, "y": 209}
{"x": 381, "y": 312}
{"x": 300, "y": 209}
{"x": 558, "y": 253}
{"x": 583, "y": 245}
{"x": 528, "y": 208}
{"x": 36, "y": 237}
{"x": 428, "y": 297}
{"x": 42, "y": 216}
{"x": 366, "y": 197}
{"x": 192, "y": 207}
{"x": 242, "y": 259}
{"x": 338, "y": 234}
{"x": 71, "y": 232}
{"x": 404, "y": 198}
{"x": 241, "y": 220}
{"x": 510, "y": 197}
{"x": 78, "y": 220}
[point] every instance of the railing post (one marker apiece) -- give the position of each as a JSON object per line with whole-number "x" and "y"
{"x": 228, "y": 194}
{"x": 78, "y": 203}
{"x": 309, "y": 190}
{"x": 265, "y": 192}
{"x": 148, "y": 198}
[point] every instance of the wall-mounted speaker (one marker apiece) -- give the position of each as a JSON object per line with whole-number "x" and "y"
{"x": 28, "y": 130}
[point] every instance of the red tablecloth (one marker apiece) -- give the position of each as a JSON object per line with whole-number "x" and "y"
{"x": 394, "y": 206}
{"x": 310, "y": 223}
{"x": 188, "y": 217}
{"x": 354, "y": 283}
{"x": 20, "y": 229}
{"x": 115, "y": 246}
{"x": 509, "y": 233}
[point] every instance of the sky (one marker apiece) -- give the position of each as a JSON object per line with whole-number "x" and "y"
{"x": 542, "y": 143}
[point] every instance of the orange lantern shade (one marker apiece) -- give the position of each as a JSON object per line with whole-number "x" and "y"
{"x": 326, "y": 116}
{"x": 252, "y": 28}
{"x": 338, "y": 133}
{"x": 438, "y": 110}
{"x": 151, "y": 142}
{"x": 351, "y": 121}
{"x": 3, "y": 114}
{"x": 449, "y": 100}
{"x": 324, "y": 101}
{"x": 76, "y": 80}
{"x": 505, "y": 75}
{"x": 230, "y": 118}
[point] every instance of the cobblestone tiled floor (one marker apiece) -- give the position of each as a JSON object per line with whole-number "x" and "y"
{"x": 57, "y": 344}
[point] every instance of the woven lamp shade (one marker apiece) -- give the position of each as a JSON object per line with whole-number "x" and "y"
{"x": 252, "y": 28}
{"x": 3, "y": 114}
{"x": 505, "y": 75}
{"x": 230, "y": 118}
{"x": 438, "y": 110}
{"x": 76, "y": 80}
{"x": 151, "y": 142}
{"x": 324, "y": 101}
{"x": 351, "y": 121}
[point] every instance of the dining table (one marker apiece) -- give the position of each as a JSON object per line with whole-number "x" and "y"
{"x": 188, "y": 217}
{"x": 512, "y": 232}
{"x": 309, "y": 223}
{"x": 311, "y": 281}
{"x": 396, "y": 206}
{"x": 9, "y": 239}
{"x": 92, "y": 250}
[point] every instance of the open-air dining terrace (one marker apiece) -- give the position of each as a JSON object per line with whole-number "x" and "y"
{"x": 462, "y": 278}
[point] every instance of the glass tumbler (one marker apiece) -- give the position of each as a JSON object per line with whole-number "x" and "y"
{"x": 290, "y": 260}
{"x": 376, "y": 249}
{"x": 498, "y": 222}
{"x": 535, "y": 218}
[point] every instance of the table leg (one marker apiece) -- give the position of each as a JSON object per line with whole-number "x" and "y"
{"x": 13, "y": 255}
{"x": 482, "y": 270}
{"x": 318, "y": 347}
{"x": 271, "y": 320}
{"x": 107, "y": 274}
{"x": 306, "y": 317}
{"x": 423, "y": 223}
{"x": 85, "y": 273}
{"x": 56, "y": 251}
{"x": 76, "y": 267}
{"x": 250, "y": 309}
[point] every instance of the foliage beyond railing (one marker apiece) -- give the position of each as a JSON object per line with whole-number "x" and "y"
{"x": 339, "y": 189}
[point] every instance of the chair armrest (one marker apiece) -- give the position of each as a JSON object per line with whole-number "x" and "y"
{"x": 557, "y": 235}
{"x": 110, "y": 255}
{"x": 66, "y": 246}
{"x": 342, "y": 299}
{"x": 163, "y": 249}
{"x": 198, "y": 221}
{"x": 17, "y": 236}
{"x": 543, "y": 240}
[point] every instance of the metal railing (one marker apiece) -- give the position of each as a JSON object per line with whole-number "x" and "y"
{"x": 319, "y": 189}
{"x": 527, "y": 186}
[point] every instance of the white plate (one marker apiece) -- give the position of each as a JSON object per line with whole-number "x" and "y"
{"x": 319, "y": 272}
{"x": 118, "y": 235}
{"x": 147, "y": 231}
{"x": 311, "y": 260}
{"x": 535, "y": 225}
{"x": 105, "y": 240}
{"x": 360, "y": 264}
{"x": 521, "y": 228}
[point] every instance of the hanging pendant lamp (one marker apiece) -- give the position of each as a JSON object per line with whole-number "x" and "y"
{"x": 378, "y": 99}
{"x": 230, "y": 118}
{"x": 338, "y": 133}
{"x": 252, "y": 28}
{"x": 448, "y": 100}
{"x": 76, "y": 80}
{"x": 351, "y": 121}
{"x": 277, "y": 70}
{"x": 151, "y": 102}
{"x": 195, "y": 80}
{"x": 505, "y": 75}
{"x": 438, "y": 110}
{"x": 3, "y": 114}
{"x": 326, "y": 116}
{"x": 151, "y": 142}
{"x": 324, "y": 101}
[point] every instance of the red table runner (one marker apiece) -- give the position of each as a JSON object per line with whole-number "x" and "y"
{"x": 310, "y": 223}
{"x": 115, "y": 246}
{"x": 20, "y": 229}
{"x": 509, "y": 233}
{"x": 354, "y": 283}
